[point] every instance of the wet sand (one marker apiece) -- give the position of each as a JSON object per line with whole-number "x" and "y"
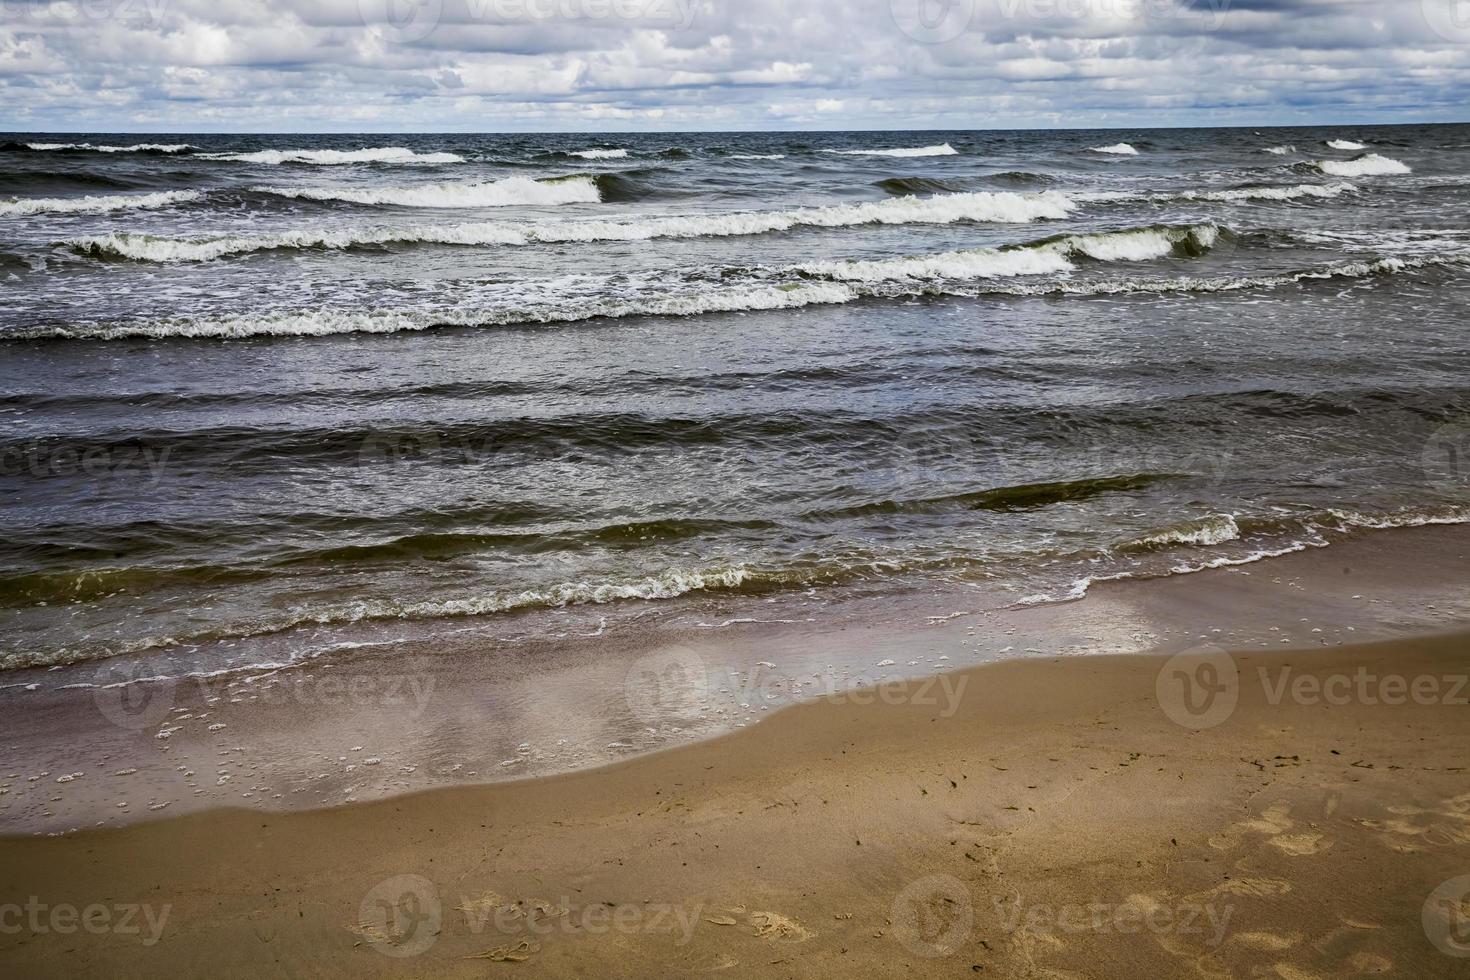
{"x": 379, "y": 722}
{"x": 1049, "y": 818}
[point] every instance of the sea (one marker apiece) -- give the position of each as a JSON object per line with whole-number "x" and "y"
{"x": 263, "y": 397}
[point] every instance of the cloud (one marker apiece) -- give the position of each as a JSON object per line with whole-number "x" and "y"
{"x": 183, "y": 65}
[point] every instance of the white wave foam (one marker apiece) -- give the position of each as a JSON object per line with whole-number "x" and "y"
{"x": 1000, "y": 207}
{"x": 135, "y": 148}
{"x": 1214, "y": 530}
{"x": 1261, "y": 193}
{"x": 1408, "y": 518}
{"x": 757, "y": 156}
{"x": 385, "y": 154}
{"x": 478, "y": 194}
{"x": 1270, "y": 193}
{"x": 319, "y": 323}
{"x": 1368, "y": 165}
{"x": 976, "y": 264}
{"x": 155, "y": 248}
{"x": 1081, "y": 587}
{"x": 1138, "y": 244}
{"x": 1346, "y": 145}
{"x": 1045, "y": 258}
{"x": 600, "y": 154}
{"x": 668, "y": 585}
{"x": 95, "y": 204}
{"x": 1281, "y": 151}
{"x": 752, "y": 296}
{"x": 942, "y": 150}
{"x": 1192, "y": 284}
{"x": 1117, "y": 149}
{"x": 1227, "y": 561}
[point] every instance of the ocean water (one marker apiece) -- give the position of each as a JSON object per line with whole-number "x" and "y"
{"x": 268, "y": 396}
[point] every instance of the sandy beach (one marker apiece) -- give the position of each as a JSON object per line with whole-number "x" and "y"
{"x": 1292, "y": 813}
{"x": 661, "y": 489}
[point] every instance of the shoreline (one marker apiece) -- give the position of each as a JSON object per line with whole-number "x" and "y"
{"x": 1000, "y": 831}
{"x": 407, "y": 719}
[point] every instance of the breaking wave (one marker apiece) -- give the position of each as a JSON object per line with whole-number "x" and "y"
{"x": 386, "y": 154}
{"x": 819, "y": 287}
{"x": 942, "y": 150}
{"x": 1117, "y": 149}
{"x": 1346, "y": 145}
{"x": 167, "y": 148}
{"x": 1051, "y": 256}
{"x": 1214, "y": 530}
{"x": 1367, "y": 165}
{"x": 1000, "y": 207}
{"x": 599, "y": 154}
{"x": 1259, "y": 192}
{"x": 480, "y": 194}
{"x": 95, "y": 204}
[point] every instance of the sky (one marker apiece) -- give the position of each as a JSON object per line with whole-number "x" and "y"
{"x": 640, "y": 65}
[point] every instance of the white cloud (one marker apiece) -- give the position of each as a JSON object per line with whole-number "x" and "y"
{"x": 534, "y": 64}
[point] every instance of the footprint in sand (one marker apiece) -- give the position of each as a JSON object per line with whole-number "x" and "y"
{"x": 1244, "y": 888}
{"x": 778, "y": 927}
{"x": 1300, "y": 845}
{"x": 1274, "y": 824}
{"x": 1270, "y": 942}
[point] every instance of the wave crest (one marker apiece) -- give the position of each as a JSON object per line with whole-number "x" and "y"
{"x": 999, "y": 207}
{"x": 942, "y": 150}
{"x": 167, "y": 148}
{"x": 385, "y": 154}
{"x": 473, "y": 194}
{"x": 95, "y": 204}
{"x": 1367, "y": 165}
{"x": 1117, "y": 149}
{"x": 693, "y": 300}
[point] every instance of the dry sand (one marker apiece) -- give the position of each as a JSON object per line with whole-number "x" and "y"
{"x": 1027, "y": 819}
